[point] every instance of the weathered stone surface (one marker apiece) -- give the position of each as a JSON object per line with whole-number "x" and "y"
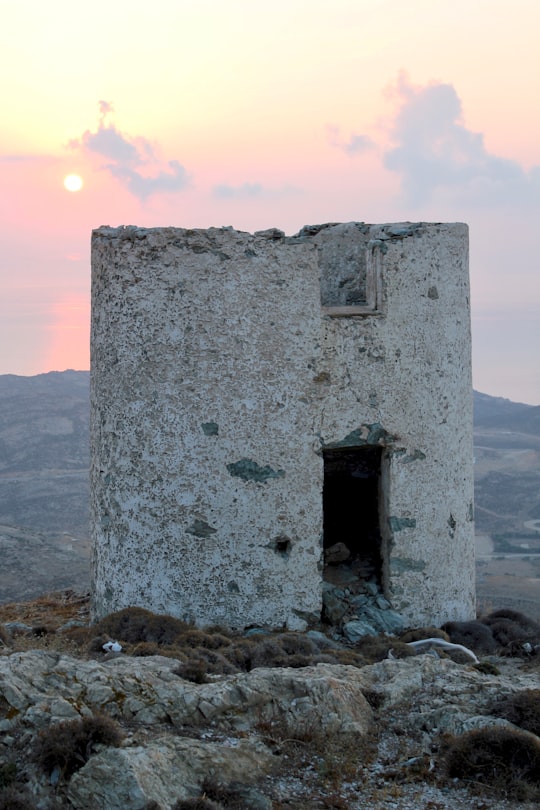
{"x": 356, "y": 629}
{"x": 146, "y": 690}
{"x": 229, "y": 719}
{"x": 167, "y": 769}
{"x": 225, "y": 364}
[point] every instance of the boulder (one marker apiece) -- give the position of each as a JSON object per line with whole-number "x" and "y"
{"x": 167, "y": 769}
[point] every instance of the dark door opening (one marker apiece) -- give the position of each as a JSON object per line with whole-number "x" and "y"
{"x": 351, "y": 510}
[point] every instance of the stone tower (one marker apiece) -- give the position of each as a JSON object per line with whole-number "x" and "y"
{"x": 256, "y": 399}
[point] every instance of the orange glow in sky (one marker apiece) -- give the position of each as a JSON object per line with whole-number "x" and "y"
{"x": 254, "y": 115}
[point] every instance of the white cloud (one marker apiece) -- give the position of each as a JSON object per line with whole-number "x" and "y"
{"x": 246, "y": 191}
{"x": 433, "y": 150}
{"x": 356, "y": 144}
{"x": 225, "y": 191}
{"x": 132, "y": 160}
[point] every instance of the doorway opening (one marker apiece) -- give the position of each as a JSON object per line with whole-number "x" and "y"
{"x": 351, "y": 515}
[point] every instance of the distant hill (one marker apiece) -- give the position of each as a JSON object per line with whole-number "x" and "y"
{"x": 505, "y": 417}
{"x": 44, "y": 460}
{"x": 507, "y": 469}
{"x": 44, "y": 431}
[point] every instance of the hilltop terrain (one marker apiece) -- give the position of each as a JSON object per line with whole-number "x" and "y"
{"x": 178, "y": 718}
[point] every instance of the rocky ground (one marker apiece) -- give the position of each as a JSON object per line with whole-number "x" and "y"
{"x": 182, "y": 718}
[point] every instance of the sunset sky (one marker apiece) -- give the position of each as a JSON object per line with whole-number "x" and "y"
{"x": 253, "y": 114}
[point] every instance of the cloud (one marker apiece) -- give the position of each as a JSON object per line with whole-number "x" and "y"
{"x": 225, "y": 191}
{"x": 356, "y": 144}
{"x": 434, "y": 150}
{"x": 131, "y": 160}
{"x": 21, "y": 158}
{"x": 245, "y": 191}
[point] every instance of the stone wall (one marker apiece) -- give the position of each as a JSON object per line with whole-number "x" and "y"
{"x": 225, "y": 363}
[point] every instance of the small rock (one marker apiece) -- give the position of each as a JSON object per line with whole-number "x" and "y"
{"x": 336, "y": 554}
{"x": 18, "y": 628}
{"x": 322, "y": 641}
{"x": 371, "y": 588}
{"x": 355, "y": 630}
{"x": 333, "y": 607}
{"x": 382, "y": 603}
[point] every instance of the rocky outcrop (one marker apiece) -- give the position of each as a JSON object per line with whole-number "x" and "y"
{"x": 40, "y": 688}
{"x": 179, "y": 734}
{"x": 167, "y": 769}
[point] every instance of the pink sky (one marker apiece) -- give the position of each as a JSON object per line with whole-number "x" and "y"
{"x": 254, "y": 115}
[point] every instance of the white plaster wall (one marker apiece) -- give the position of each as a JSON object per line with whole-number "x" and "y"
{"x": 407, "y": 370}
{"x": 203, "y": 346}
{"x": 216, "y": 381}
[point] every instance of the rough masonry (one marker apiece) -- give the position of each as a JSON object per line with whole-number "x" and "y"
{"x": 261, "y": 401}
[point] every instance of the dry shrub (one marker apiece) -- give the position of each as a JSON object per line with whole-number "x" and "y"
{"x": 512, "y": 629}
{"x": 527, "y": 624}
{"x": 8, "y": 774}
{"x": 194, "y": 670}
{"x": 16, "y": 797}
{"x": 336, "y": 757}
{"x": 69, "y": 745}
{"x": 5, "y": 637}
{"x": 232, "y": 796}
{"x": 297, "y": 644}
{"x": 134, "y": 624}
{"x": 374, "y": 697}
{"x": 146, "y": 648}
{"x": 279, "y": 650}
{"x": 506, "y": 760}
{"x": 421, "y": 633}
{"x": 216, "y": 663}
{"x": 487, "y": 668}
{"x": 348, "y": 657}
{"x": 202, "y": 638}
{"x": 522, "y": 709}
{"x": 239, "y": 654}
{"x": 298, "y": 661}
{"x": 80, "y": 636}
{"x": 268, "y": 653}
{"x": 473, "y": 634}
{"x": 96, "y": 644}
{"x": 377, "y": 648}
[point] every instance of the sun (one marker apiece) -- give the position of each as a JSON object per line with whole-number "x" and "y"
{"x": 73, "y": 182}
